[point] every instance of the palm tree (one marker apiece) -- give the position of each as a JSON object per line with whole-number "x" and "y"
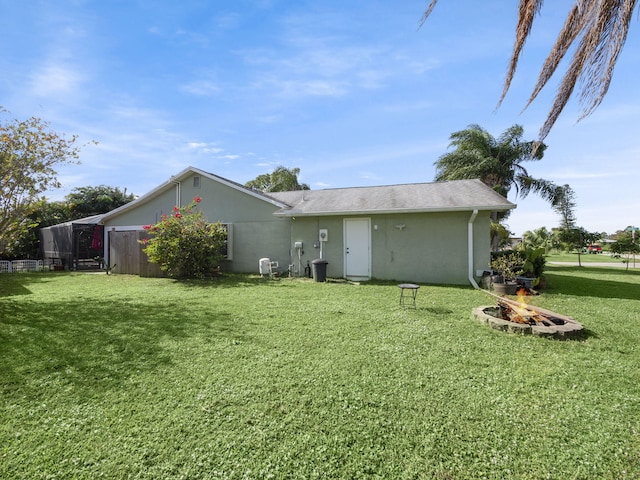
{"x": 597, "y": 28}
{"x": 495, "y": 161}
{"x": 539, "y": 238}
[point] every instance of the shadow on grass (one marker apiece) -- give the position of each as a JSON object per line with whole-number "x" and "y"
{"x": 233, "y": 280}
{"x": 12, "y": 284}
{"x": 98, "y": 344}
{"x": 437, "y": 310}
{"x": 585, "y": 334}
{"x": 593, "y": 285}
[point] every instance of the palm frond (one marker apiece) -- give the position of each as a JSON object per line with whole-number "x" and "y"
{"x": 428, "y": 11}
{"x": 609, "y": 36}
{"x": 599, "y": 26}
{"x": 546, "y": 189}
{"x": 605, "y": 29}
{"x": 527, "y": 11}
{"x": 570, "y": 30}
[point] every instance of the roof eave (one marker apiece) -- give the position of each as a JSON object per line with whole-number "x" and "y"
{"x": 180, "y": 177}
{"x": 297, "y": 213}
{"x": 236, "y": 186}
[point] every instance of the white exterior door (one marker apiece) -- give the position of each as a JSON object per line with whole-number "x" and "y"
{"x": 357, "y": 248}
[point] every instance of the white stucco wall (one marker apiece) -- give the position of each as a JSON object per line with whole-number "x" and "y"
{"x": 257, "y": 233}
{"x": 417, "y": 247}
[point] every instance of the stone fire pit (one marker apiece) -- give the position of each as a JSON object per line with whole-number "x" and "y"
{"x": 511, "y": 316}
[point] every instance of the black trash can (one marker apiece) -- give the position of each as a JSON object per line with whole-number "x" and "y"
{"x": 319, "y": 266}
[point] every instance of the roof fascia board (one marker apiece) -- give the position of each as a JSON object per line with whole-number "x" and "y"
{"x": 234, "y": 185}
{"x": 141, "y": 200}
{"x": 386, "y": 212}
{"x": 150, "y": 195}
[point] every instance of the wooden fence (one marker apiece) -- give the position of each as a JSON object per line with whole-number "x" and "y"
{"x": 126, "y": 255}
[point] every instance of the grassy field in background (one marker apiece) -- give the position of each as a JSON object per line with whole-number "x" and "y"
{"x": 239, "y": 377}
{"x": 587, "y": 258}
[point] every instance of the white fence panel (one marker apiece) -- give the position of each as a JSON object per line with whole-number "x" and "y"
{"x": 17, "y": 266}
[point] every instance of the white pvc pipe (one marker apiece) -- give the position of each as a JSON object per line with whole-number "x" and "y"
{"x": 472, "y": 219}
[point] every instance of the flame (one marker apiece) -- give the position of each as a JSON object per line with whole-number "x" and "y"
{"x": 521, "y": 311}
{"x": 522, "y": 298}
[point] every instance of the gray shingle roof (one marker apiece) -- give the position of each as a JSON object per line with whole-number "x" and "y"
{"x": 455, "y": 195}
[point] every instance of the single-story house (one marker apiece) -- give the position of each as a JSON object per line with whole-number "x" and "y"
{"x": 423, "y": 232}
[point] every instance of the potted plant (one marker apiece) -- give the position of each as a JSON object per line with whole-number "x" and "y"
{"x": 532, "y": 267}
{"x": 508, "y": 266}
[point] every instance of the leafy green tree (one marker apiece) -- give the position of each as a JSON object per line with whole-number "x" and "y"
{"x": 282, "y": 179}
{"x": 577, "y": 238}
{"x": 30, "y": 153}
{"x": 87, "y": 201}
{"x": 595, "y": 31}
{"x": 185, "y": 244}
{"x": 572, "y": 237}
{"x": 26, "y": 242}
{"x": 626, "y": 244}
{"x": 48, "y": 213}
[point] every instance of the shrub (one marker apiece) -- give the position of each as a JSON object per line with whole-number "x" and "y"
{"x": 185, "y": 244}
{"x": 507, "y": 264}
{"x": 534, "y": 261}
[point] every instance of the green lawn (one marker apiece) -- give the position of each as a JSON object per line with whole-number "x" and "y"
{"x": 587, "y": 258}
{"x": 125, "y": 377}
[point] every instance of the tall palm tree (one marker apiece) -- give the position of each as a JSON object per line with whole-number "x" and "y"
{"x": 497, "y": 162}
{"x": 597, "y": 28}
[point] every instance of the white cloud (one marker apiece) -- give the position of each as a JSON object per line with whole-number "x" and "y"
{"x": 54, "y": 80}
{"x": 269, "y": 119}
{"x": 204, "y": 148}
{"x": 302, "y": 87}
{"x": 201, "y": 88}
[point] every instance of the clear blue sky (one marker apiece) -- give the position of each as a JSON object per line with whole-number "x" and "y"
{"x": 352, "y": 92}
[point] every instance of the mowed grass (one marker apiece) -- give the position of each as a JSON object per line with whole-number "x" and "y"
{"x": 239, "y": 377}
{"x": 587, "y": 258}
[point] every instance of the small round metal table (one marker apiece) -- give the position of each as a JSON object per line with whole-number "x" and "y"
{"x": 410, "y": 294}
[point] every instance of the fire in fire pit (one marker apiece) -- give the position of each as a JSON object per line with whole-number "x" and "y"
{"x": 519, "y": 317}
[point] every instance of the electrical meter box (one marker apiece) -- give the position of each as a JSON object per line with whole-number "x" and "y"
{"x": 298, "y": 245}
{"x": 324, "y": 235}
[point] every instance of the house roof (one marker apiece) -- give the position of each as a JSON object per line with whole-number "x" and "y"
{"x": 455, "y": 195}
{"x": 183, "y": 175}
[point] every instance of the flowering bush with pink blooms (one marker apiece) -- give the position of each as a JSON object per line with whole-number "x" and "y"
{"x": 185, "y": 244}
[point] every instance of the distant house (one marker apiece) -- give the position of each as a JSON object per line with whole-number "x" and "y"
{"x": 424, "y": 232}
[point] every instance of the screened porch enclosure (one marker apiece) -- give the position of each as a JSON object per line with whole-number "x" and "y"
{"x": 75, "y": 245}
